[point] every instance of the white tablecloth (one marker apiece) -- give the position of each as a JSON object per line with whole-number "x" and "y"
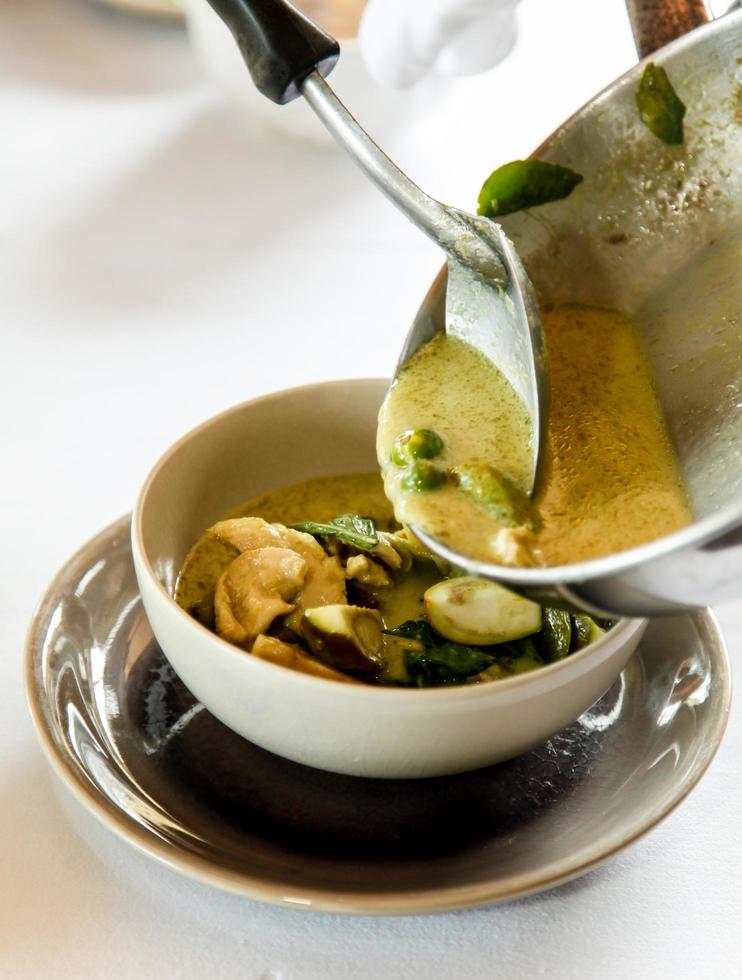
{"x": 159, "y": 261}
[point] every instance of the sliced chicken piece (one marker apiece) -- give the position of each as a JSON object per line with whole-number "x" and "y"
{"x": 325, "y": 579}
{"x": 246, "y": 533}
{"x": 290, "y": 655}
{"x": 514, "y": 546}
{"x": 254, "y": 590}
{"x": 366, "y": 571}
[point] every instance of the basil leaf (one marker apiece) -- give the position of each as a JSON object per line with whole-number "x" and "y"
{"x": 449, "y": 663}
{"x": 359, "y": 532}
{"x": 440, "y": 662}
{"x": 524, "y": 184}
{"x": 519, "y": 656}
{"x": 419, "y": 630}
{"x": 659, "y": 107}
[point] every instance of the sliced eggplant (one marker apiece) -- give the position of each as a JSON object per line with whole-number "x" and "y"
{"x": 476, "y": 611}
{"x": 586, "y": 631}
{"x": 345, "y": 637}
{"x": 392, "y": 552}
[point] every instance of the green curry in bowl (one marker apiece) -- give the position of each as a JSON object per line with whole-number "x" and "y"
{"x": 324, "y": 578}
{"x": 299, "y": 578}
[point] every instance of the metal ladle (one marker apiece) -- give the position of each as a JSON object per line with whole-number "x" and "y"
{"x": 489, "y": 299}
{"x": 702, "y": 563}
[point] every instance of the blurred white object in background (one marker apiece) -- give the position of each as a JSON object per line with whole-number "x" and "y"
{"x": 402, "y": 41}
{"x": 379, "y": 109}
{"x": 158, "y": 8}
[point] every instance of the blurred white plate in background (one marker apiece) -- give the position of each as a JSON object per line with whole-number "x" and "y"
{"x": 158, "y": 8}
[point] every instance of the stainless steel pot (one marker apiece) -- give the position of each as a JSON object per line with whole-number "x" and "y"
{"x": 652, "y": 231}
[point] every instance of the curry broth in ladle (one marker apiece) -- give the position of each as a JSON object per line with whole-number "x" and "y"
{"x": 610, "y": 479}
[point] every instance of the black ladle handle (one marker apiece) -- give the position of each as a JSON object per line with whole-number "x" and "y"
{"x": 279, "y": 44}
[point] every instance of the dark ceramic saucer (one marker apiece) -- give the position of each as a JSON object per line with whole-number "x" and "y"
{"x": 139, "y": 751}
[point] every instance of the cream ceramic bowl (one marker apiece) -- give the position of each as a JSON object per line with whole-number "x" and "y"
{"x": 361, "y": 730}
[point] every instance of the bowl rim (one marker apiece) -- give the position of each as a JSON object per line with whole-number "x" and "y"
{"x": 623, "y": 631}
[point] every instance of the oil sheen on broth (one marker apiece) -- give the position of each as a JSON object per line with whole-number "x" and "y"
{"x": 610, "y": 479}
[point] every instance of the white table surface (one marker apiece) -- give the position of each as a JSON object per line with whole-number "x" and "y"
{"x": 145, "y": 236}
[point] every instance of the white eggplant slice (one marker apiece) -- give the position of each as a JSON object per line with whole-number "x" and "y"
{"x": 345, "y": 637}
{"x": 587, "y": 631}
{"x": 478, "y": 612}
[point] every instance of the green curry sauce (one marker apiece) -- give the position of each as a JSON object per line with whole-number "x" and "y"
{"x": 320, "y": 499}
{"x": 399, "y": 602}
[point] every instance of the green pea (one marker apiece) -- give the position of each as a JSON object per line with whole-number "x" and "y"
{"x": 416, "y": 444}
{"x": 421, "y": 477}
{"x": 495, "y": 492}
